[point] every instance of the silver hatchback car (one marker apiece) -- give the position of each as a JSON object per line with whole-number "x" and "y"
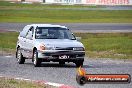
{"x": 46, "y": 42}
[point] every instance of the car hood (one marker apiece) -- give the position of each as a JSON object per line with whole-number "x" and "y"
{"x": 59, "y": 42}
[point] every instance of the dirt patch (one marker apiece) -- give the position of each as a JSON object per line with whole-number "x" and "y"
{"x": 7, "y": 53}
{"x": 5, "y": 30}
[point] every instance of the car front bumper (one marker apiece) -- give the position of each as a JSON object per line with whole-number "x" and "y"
{"x": 54, "y": 55}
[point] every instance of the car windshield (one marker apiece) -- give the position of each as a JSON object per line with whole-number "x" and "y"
{"x": 53, "y": 33}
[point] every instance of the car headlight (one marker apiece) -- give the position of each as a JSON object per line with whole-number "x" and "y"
{"x": 42, "y": 47}
{"x": 45, "y": 47}
{"x": 78, "y": 49}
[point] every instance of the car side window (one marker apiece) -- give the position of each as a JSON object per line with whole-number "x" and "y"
{"x": 24, "y": 31}
{"x": 30, "y": 33}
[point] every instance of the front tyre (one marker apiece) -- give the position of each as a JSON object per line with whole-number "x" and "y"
{"x": 36, "y": 61}
{"x": 20, "y": 58}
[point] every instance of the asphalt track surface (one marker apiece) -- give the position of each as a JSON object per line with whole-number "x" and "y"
{"x": 78, "y": 27}
{"x": 66, "y": 74}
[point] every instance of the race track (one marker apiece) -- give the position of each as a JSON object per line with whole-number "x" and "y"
{"x": 66, "y": 74}
{"x": 78, "y": 27}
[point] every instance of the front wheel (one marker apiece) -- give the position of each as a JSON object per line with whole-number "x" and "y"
{"x": 79, "y": 63}
{"x": 36, "y": 61}
{"x": 20, "y": 58}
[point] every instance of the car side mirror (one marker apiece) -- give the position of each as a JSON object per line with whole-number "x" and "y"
{"x": 78, "y": 38}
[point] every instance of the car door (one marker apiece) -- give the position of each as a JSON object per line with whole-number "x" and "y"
{"x": 22, "y": 40}
{"x": 29, "y": 42}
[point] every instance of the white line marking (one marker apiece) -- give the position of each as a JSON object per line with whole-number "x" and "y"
{"x": 54, "y": 84}
{"x": 8, "y": 56}
{"x": 23, "y": 79}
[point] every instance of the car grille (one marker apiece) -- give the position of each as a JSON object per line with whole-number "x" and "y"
{"x": 67, "y": 48}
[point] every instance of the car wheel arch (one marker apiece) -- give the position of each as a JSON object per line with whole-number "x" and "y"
{"x": 34, "y": 49}
{"x": 18, "y": 46}
{"x": 33, "y": 52}
{"x": 17, "y": 49}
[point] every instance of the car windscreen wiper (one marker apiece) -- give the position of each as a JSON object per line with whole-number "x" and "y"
{"x": 73, "y": 39}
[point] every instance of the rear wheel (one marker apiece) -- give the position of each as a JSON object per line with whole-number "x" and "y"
{"x": 79, "y": 63}
{"x": 36, "y": 61}
{"x": 20, "y": 58}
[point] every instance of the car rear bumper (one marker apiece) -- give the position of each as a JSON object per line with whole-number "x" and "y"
{"x": 55, "y": 54}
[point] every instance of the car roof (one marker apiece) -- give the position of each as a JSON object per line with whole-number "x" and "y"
{"x": 46, "y": 25}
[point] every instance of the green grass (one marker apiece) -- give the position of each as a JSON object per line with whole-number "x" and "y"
{"x": 107, "y": 45}
{"x": 52, "y": 13}
{"x": 8, "y": 40}
{"x": 97, "y": 45}
{"x": 11, "y": 83}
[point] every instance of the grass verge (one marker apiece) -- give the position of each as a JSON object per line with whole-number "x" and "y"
{"x": 12, "y": 12}
{"x": 8, "y": 43}
{"x": 107, "y": 45}
{"x": 12, "y": 83}
{"x": 97, "y": 45}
